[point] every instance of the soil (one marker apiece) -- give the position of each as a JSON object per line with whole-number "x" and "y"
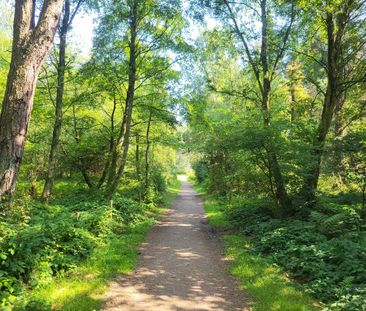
{"x": 181, "y": 266}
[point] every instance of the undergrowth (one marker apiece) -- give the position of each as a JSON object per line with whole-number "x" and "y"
{"x": 267, "y": 285}
{"x": 61, "y": 256}
{"x": 325, "y": 254}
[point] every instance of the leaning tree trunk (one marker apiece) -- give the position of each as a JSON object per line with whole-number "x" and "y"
{"x": 31, "y": 45}
{"x": 59, "y": 100}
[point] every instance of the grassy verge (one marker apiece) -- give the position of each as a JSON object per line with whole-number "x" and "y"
{"x": 83, "y": 288}
{"x": 266, "y": 284}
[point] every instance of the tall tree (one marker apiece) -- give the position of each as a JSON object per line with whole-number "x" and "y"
{"x": 343, "y": 41}
{"x": 31, "y": 44}
{"x": 67, "y": 20}
{"x": 138, "y": 32}
{"x": 264, "y": 65}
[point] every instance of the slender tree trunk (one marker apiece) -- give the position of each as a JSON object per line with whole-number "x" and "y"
{"x": 147, "y": 166}
{"x": 293, "y": 104}
{"x": 113, "y": 184}
{"x": 137, "y": 157}
{"x": 31, "y": 44}
{"x": 294, "y": 75}
{"x": 283, "y": 202}
{"x": 111, "y": 145}
{"x": 86, "y": 176}
{"x": 330, "y": 102}
{"x": 115, "y": 151}
{"x": 339, "y": 132}
{"x": 137, "y": 164}
{"x": 80, "y": 165}
{"x": 59, "y": 100}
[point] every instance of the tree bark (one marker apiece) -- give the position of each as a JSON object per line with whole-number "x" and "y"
{"x": 114, "y": 154}
{"x": 147, "y": 164}
{"x": 30, "y": 48}
{"x": 80, "y": 163}
{"x": 47, "y": 189}
{"x": 339, "y": 133}
{"x": 138, "y": 165}
{"x": 111, "y": 145}
{"x": 293, "y": 104}
{"x": 294, "y": 75}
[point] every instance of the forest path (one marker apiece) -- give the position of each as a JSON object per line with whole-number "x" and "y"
{"x": 181, "y": 266}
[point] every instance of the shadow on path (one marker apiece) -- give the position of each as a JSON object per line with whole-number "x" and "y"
{"x": 181, "y": 266}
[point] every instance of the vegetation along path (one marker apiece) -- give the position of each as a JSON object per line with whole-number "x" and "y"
{"x": 181, "y": 266}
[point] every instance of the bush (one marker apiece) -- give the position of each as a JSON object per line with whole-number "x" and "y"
{"x": 200, "y": 170}
{"x": 248, "y": 214}
{"x": 129, "y": 210}
{"x": 54, "y": 239}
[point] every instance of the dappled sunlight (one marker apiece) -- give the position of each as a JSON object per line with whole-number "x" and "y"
{"x": 264, "y": 281}
{"x": 181, "y": 266}
{"x": 186, "y": 254}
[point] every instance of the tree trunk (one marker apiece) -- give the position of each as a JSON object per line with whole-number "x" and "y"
{"x": 293, "y": 104}
{"x": 59, "y": 100}
{"x": 147, "y": 166}
{"x": 114, "y": 154}
{"x": 126, "y": 128}
{"x": 31, "y": 45}
{"x": 80, "y": 165}
{"x": 137, "y": 157}
{"x": 137, "y": 164}
{"x": 86, "y": 177}
{"x": 111, "y": 146}
{"x": 283, "y": 202}
{"x": 339, "y": 133}
{"x": 330, "y": 102}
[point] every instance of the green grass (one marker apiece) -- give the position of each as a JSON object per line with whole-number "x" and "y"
{"x": 268, "y": 287}
{"x": 266, "y": 284}
{"x": 83, "y": 288}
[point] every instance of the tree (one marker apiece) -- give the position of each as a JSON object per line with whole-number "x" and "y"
{"x": 137, "y": 33}
{"x": 343, "y": 40}
{"x": 264, "y": 64}
{"x": 67, "y": 20}
{"x": 31, "y": 44}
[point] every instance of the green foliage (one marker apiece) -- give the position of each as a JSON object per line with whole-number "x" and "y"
{"x": 266, "y": 283}
{"x": 53, "y": 240}
{"x": 326, "y": 253}
{"x": 200, "y": 170}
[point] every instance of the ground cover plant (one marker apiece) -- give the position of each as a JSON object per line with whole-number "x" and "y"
{"x": 324, "y": 254}
{"x": 63, "y": 254}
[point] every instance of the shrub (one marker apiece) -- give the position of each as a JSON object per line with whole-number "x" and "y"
{"x": 248, "y": 214}
{"x": 200, "y": 170}
{"x": 326, "y": 253}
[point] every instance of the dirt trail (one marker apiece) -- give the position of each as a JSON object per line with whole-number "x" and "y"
{"x": 181, "y": 266}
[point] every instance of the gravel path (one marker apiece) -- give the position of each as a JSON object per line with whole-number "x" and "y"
{"x": 181, "y": 266}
